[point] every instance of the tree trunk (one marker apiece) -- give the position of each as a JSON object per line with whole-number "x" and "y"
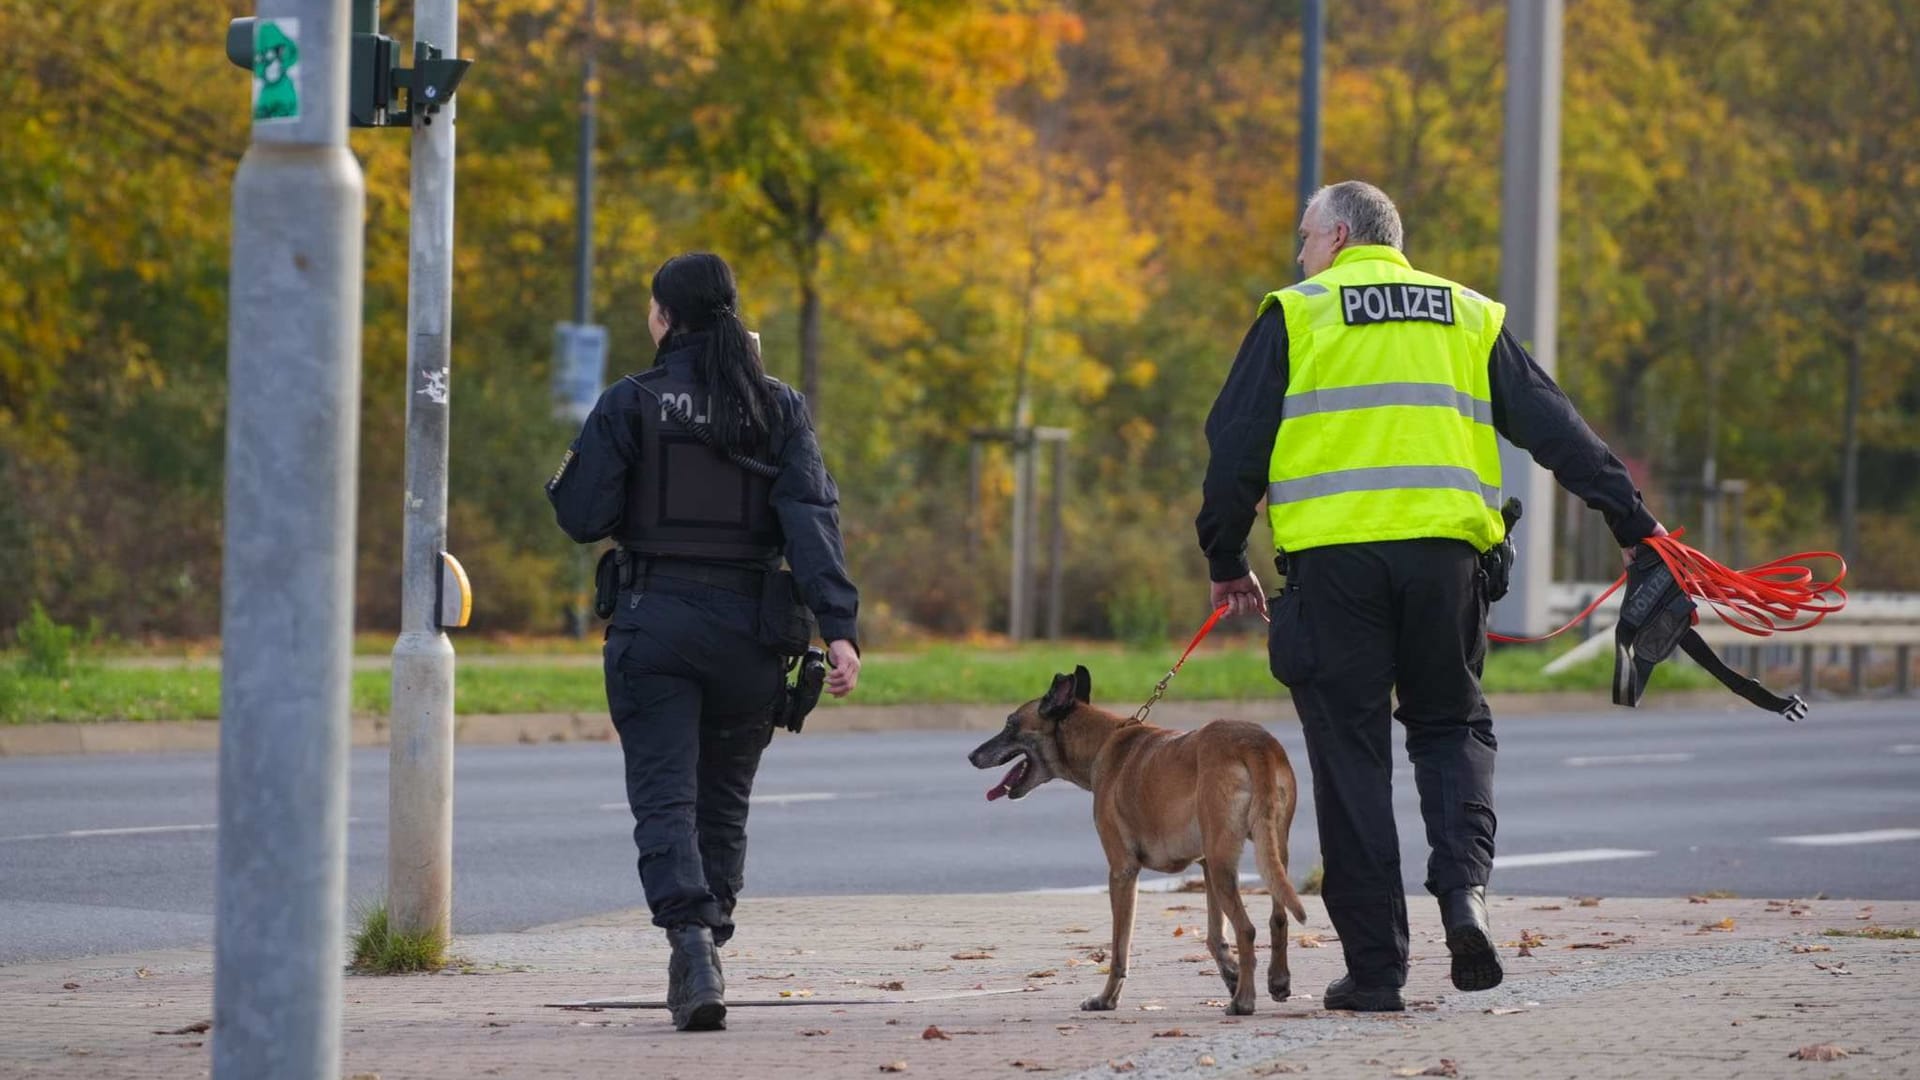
{"x": 1850, "y": 451}
{"x": 810, "y": 336}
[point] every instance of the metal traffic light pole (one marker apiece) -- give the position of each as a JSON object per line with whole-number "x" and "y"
{"x": 420, "y": 745}
{"x": 286, "y": 619}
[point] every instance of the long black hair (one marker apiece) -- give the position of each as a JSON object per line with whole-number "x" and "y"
{"x": 697, "y": 292}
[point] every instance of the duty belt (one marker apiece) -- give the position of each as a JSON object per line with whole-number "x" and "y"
{"x": 744, "y": 580}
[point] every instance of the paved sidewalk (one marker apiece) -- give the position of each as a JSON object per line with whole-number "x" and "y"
{"x": 1616, "y": 988}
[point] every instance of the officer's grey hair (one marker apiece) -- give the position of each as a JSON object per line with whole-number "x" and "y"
{"x": 1370, "y": 217}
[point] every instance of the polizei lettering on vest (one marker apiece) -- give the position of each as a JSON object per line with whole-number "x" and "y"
{"x": 1362, "y": 305}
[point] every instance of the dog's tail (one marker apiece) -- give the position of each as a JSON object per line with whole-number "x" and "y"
{"x": 1272, "y": 809}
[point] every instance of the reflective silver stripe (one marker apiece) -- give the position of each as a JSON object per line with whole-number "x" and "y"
{"x": 1307, "y": 288}
{"x": 1343, "y": 398}
{"x": 1382, "y": 478}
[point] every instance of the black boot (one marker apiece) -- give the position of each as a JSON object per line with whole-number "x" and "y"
{"x": 696, "y": 992}
{"x": 1344, "y": 993}
{"x": 1476, "y": 965}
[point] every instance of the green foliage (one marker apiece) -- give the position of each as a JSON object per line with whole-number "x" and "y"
{"x": 1138, "y": 616}
{"x": 1876, "y": 933}
{"x": 1316, "y": 877}
{"x": 940, "y": 212}
{"x": 378, "y": 949}
{"x": 47, "y": 649}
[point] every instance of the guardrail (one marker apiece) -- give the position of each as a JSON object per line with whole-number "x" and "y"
{"x": 1869, "y": 622}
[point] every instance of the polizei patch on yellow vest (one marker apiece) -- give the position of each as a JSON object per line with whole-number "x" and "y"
{"x": 1396, "y": 301}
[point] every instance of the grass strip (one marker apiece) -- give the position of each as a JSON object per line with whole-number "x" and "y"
{"x": 942, "y": 674}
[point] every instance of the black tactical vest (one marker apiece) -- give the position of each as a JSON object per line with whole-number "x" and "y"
{"x": 685, "y": 498}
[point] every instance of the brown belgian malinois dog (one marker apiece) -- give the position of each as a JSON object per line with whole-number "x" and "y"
{"x": 1164, "y": 799}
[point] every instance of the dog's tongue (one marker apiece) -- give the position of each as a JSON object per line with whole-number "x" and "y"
{"x": 1013, "y": 777}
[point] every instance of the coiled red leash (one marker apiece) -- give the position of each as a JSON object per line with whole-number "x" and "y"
{"x": 1772, "y": 598}
{"x": 1667, "y": 580}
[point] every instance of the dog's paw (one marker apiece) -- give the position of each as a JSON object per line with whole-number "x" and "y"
{"x": 1236, "y": 1007}
{"x": 1098, "y": 1004}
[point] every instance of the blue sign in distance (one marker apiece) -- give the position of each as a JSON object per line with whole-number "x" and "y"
{"x": 579, "y": 369}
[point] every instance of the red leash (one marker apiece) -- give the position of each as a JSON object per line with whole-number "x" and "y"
{"x": 1160, "y": 688}
{"x": 1772, "y": 598}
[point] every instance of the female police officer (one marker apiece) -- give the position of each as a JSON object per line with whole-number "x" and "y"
{"x": 702, "y": 517}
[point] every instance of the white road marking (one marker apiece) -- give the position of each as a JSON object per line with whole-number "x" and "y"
{"x": 785, "y": 798}
{"x": 1627, "y": 759}
{"x": 1870, "y": 836}
{"x": 130, "y": 830}
{"x": 1150, "y": 885}
{"x": 1907, "y": 748}
{"x": 1556, "y": 858}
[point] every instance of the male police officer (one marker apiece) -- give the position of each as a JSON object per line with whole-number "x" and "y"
{"x": 706, "y": 472}
{"x": 1363, "y": 404}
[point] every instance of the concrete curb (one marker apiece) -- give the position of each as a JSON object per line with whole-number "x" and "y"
{"x": 111, "y": 737}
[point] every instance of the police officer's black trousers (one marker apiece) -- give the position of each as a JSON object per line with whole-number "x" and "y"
{"x": 1358, "y": 623}
{"x": 692, "y": 693}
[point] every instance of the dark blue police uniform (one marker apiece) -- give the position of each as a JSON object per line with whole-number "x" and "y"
{"x": 690, "y": 683}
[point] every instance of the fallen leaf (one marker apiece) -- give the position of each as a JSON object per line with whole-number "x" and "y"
{"x": 1834, "y": 969}
{"x": 973, "y": 954}
{"x": 1098, "y": 956}
{"x": 890, "y": 984}
{"x": 142, "y": 973}
{"x": 1446, "y": 1067}
{"x": 1503, "y": 1012}
{"x": 1121, "y": 1066}
{"x": 783, "y": 975}
{"x": 938, "y": 970}
{"x": 911, "y": 946}
{"x": 1206, "y": 1059}
{"x": 1279, "y": 1068}
{"x": 1046, "y": 973}
{"x": 70, "y": 986}
{"x": 1405, "y": 1070}
{"x": 1812, "y": 948}
{"x": 1309, "y": 941}
{"x": 1171, "y": 1033}
{"x": 1076, "y": 930}
{"x": 490, "y": 1023}
{"x": 1181, "y": 907}
{"x": 894, "y": 1066}
{"x": 1066, "y": 1029}
{"x": 1179, "y": 931}
{"x": 1545, "y": 907}
{"x": 1194, "y": 958}
{"x": 803, "y": 993}
{"x": 1820, "y": 1052}
{"x": 1589, "y": 901}
{"x": 1700, "y": 900}
{"x": 198, "y": 1027}
{"x": 811, "y": 1032}
{"x": 1030, "y": 1066}
{"x": 893, "y": 1021}
{"x": 1104, "y": 969}
{"x": 933, "y": 1032}
{"x": 1723, "y": 926}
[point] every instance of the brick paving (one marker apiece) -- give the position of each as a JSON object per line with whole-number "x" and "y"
{"x": 1679, "y": 989}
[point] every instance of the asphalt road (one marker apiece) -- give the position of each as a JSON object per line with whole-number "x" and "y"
{"x": 112, "y": 853}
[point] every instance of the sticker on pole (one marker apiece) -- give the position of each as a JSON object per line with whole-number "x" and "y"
{"x": 276, "y": 71}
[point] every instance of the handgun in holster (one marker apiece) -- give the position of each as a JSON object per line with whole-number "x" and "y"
{"x": 613, "y": 573}
{"x": 1496, "y": 563}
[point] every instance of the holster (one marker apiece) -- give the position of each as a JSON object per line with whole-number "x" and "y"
{"x": 612, "y": 573}
{"x": 1496, "y": 563}
{"x": 798, "y": 698}
{"x": 787, "y": 625}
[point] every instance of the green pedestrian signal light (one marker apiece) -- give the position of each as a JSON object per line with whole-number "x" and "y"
{"x": 379, "y": 94}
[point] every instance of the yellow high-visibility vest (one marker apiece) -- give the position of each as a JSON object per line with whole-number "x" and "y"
{"x": 1387, "y": 432}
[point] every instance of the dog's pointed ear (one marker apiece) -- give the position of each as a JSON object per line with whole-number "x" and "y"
{"x": 1082, "y": 685}
{"x": 1060, "y": 698}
